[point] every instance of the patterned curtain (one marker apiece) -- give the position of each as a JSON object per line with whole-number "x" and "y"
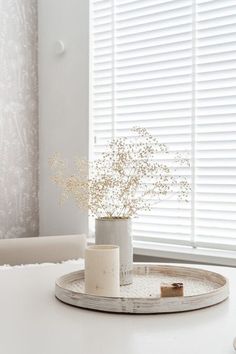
{"x": 18, "y": 119}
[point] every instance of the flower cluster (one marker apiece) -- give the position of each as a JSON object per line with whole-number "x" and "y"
{"x": 131, "y": 175}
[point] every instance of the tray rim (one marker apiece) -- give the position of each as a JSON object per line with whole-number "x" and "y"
{"x": 81, "y": 271}
{"x": 219, "y": 294}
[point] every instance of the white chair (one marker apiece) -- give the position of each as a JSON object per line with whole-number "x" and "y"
{"x": 41, "y": 249}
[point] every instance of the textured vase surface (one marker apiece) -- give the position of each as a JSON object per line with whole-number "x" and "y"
{"x": 118, "y": 232}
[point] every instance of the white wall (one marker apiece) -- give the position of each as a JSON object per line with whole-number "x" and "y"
{"x": 63, "y": 104}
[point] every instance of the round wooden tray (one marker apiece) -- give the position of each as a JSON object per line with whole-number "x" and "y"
{"x": 202, "y": 288}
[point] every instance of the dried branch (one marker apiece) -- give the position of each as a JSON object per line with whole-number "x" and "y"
{"x": 125, "y": 178}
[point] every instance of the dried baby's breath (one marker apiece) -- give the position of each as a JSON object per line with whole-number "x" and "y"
{"x": 131, "y": 175}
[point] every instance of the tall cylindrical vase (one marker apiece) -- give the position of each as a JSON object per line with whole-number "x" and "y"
{"x": 118, "y": 231}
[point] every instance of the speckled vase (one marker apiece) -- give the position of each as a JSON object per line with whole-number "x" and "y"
{"x": 115, "y": 231}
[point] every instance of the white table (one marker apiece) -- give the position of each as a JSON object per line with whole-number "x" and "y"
{"x": 33, "y": 321}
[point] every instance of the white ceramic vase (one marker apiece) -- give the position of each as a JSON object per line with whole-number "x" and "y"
{"x": 115, "y": 231}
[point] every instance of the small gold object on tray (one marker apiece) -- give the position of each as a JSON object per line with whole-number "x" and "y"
{"x": 172, "y": 289}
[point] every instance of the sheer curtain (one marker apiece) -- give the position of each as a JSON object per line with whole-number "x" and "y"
{"x": 18, "y": 119}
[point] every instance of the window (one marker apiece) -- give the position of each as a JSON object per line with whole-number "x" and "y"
{"x": 170, "y": 66}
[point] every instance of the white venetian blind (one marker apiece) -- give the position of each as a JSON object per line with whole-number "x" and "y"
{"x": 170, "y": 66}
{"x": 216, "y": 122}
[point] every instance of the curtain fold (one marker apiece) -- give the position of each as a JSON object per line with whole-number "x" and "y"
{"x": 18, "y": 119}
